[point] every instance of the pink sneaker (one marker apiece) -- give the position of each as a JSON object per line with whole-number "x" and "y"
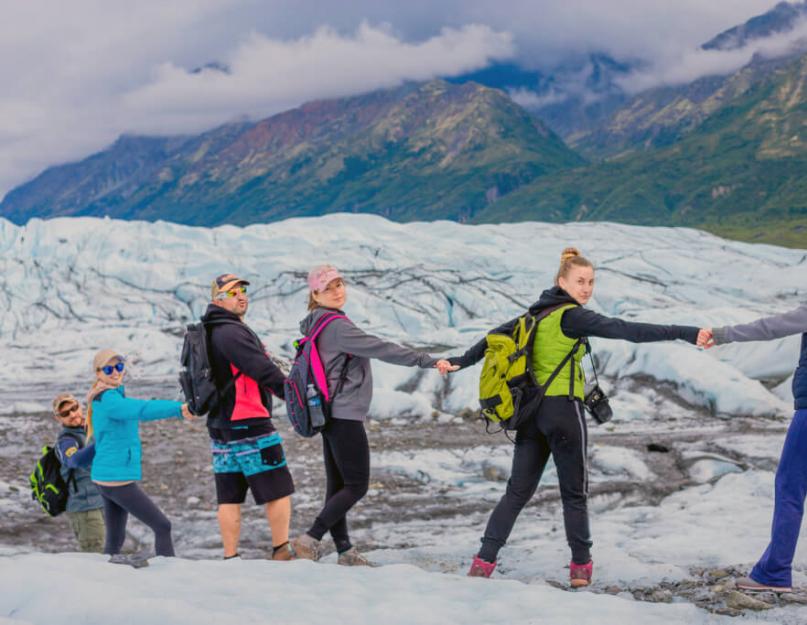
{"x": 481, "y": 568}
{"x": 580, "y": 574}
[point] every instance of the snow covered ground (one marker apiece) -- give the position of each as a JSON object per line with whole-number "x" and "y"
{"x": 93, "y": 592}
{"x": 681, "y": 480}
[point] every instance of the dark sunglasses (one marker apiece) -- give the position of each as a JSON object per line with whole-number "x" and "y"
{"x": 68, "y": 411}
{"x": 108, "y": 369}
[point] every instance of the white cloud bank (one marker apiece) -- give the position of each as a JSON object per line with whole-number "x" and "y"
{"x": 74, "y": 80}
{"x": 268, "y": 75}
{"x": 687, "y": 65}
{"x": 75, "y": 75}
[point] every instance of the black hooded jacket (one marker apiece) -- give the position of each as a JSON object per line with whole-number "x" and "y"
{"x": 579, "y": 322}
{"x": 235, "y": 348}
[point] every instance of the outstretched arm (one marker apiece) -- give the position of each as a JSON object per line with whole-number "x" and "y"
{"x": 471, "y": 357}
{"x": 351, "y": 340}
{"x": 579, "y": 322}
{"x": 477, "y": 351}
{"x": 129, "y": 409}
{"x": 765, "y": 329}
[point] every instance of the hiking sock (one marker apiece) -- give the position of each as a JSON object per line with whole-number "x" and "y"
{"x": 235, "y": 555}
{"x": 279, "y": 547}
{"x": 342, "y": 546}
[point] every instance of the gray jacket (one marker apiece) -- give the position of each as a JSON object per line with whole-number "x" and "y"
{"x": 765, "y": 329}
{"x": 777, "y": 326}
{"x": 342, "y": 338}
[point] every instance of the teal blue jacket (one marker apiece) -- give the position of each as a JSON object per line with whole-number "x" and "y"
{"x": 116, "y": 429}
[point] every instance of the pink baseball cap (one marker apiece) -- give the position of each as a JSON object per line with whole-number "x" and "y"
{"x": 319, "y": 277}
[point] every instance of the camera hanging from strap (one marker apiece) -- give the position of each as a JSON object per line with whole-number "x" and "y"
{"x": 596, "y": 401}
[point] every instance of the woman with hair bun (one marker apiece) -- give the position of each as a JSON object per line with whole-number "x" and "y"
{"x": 557, "y": 427}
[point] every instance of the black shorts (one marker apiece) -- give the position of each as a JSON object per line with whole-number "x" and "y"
{"x": 265, "y": 487}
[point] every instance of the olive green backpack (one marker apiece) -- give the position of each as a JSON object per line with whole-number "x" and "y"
{"x": 507, "y": 377}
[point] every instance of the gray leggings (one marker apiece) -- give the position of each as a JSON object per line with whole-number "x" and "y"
{"x": 119, "y": 502}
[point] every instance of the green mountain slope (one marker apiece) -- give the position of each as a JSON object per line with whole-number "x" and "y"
{"x": 740, "y": 172}
{"x": 427, "y": 151}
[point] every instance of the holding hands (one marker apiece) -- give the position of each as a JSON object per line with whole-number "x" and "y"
{"x": 187, "y": 415}
{"x": 706, "y": 338}
{"x": 444, "y": 367}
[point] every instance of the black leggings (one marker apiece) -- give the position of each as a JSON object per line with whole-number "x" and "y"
{"x": 347, "y": 471}
{"x": 119, "y": 502}
{"x": 558, "y": 428}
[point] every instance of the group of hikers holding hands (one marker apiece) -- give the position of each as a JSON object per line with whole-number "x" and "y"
{"x": 104, "y": 450}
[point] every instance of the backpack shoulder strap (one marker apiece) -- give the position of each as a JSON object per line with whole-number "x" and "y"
{"x": 563, "y": 362}
{"x": 322, "y": 323}
{"x": 221, "y": 322}
{"x": 548, "y": 311}
{"x": 311, "y": 338}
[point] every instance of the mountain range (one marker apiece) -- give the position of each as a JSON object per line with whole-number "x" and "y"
{"x": 723, "y": 153}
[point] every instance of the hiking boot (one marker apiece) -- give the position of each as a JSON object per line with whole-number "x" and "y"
{"x": 352, "y": 557}
{"x": 481, "y": 568}
{"x": 749, "y": 585}
{"x": 134, "y": 560}
{"x": 283, "y": 553}
{"x": 305, "y": 547}
{"x": 580, "y": 574}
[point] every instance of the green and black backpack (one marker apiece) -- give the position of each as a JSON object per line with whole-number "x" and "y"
{"x": 507, "y": 382}
{"x": 47, "y": 485}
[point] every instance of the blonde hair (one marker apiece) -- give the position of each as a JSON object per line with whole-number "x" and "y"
{"x": 570, "y": 257}
{"x": 312, "y": 303}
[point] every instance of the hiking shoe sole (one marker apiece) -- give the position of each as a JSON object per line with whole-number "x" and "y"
{"x": 749, "y": 585}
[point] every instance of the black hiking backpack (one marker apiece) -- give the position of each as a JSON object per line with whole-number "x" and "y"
{"x": 196, "y": 374}
{"x": 48, "y": 487}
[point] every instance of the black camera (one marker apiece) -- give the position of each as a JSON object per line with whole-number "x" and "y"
{"x": 596, "y": 403}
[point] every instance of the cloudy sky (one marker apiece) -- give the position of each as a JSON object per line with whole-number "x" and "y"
{"x": 75, "y": 75}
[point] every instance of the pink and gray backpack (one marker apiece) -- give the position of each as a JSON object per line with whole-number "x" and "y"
{"x": 306, "y": 387}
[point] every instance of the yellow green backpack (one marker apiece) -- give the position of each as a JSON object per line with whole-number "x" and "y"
{"x": 507, "y": 380}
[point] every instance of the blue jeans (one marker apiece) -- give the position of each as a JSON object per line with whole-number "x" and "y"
{"x": 774, "y": 567}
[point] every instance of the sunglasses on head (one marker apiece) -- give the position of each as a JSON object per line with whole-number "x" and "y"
{"x": 108, "y": 369}
{"x": 234, "y": 292}
{"x": 68, "y": 411}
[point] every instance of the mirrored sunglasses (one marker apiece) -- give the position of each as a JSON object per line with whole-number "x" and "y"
{"x": 108, "y": 369}
{"x": 234, "y": 292}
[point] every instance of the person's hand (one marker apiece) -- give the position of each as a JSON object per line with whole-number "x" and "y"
{"x": 187, "y": 414}
{"x": 444, "y": 367}
{"x": 706, "y": 339}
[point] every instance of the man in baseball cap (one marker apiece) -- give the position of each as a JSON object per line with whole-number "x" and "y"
{"x": 247, "y": 451}
{"x": 84, "y": 503}
{"x": 225, "y": 283}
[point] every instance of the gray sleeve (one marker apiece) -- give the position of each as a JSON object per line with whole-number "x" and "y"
{"x": 351, "y": 340}
{"x": 765, "y": 329}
